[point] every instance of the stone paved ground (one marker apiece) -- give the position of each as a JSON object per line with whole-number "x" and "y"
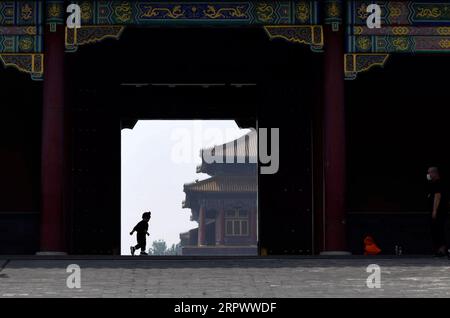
{"x": 310, "y": 277}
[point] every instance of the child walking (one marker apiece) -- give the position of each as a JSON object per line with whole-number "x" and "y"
{"x": 142, "y": 230}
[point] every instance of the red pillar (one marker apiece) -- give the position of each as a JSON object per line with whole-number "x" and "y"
{"x": 220, "y": 227}
{"x": 202, "y": 226}
{"x": 253, "y": 226}
{"x": 334, "y": 142}
{"x": 53, "y": 143}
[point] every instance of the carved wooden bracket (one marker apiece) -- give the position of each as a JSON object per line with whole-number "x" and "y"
{"x": 32, "y": 63}
{"x": 355, "y": 63}
{"x": 311, "y": 35}
{"x": 91, "y": 34}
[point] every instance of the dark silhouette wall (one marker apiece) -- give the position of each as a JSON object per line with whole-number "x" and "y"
{"x": 20, "y": 128}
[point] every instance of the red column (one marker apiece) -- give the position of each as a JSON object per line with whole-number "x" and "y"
{"x": 253, "y": 225}
{"x": 334, "y": 142}
{"x": 53, "y": 143}
{"x": 201, "y": 226}
{"x": 220, "y": 227}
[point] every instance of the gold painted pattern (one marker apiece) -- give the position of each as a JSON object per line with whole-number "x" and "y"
{"x": 265, "y": 12}
{"x": 174, "y": 13}
{"x": 429, "y": 13}
{"x": 214, "y": 13}
{"x": 303, "y": 12}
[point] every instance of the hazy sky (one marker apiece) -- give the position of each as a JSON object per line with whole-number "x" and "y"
{"x": 158, "y": 157}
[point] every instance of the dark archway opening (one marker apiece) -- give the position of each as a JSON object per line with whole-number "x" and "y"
{"x": 397, "y": 125}
{"x": 272, "y": 83}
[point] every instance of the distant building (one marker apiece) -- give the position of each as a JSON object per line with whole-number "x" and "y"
{"x": 224, "y": 205}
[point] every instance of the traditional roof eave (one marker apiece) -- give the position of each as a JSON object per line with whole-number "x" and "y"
{"x": 224, "y": 184}
{"x": 241, "y": 150}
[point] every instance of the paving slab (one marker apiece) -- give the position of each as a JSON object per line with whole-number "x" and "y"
{"x": 225, "y": 278}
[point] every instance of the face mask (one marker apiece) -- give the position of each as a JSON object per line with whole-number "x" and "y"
{"x": 429, "y": 177}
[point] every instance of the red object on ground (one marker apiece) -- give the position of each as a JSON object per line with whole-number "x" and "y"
{"x": 370, "y": 248}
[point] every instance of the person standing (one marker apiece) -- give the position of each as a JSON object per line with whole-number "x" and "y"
{"x": 438, "y": 204}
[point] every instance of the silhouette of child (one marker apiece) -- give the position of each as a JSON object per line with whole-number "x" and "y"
{"x": 141, "y": 229}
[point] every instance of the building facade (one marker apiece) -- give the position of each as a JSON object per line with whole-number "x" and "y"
{"x": 224, "y": 205}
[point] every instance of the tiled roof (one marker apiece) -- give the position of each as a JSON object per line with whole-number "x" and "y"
{"x": 243, "y": 147}
{"x": 225, "y": 184}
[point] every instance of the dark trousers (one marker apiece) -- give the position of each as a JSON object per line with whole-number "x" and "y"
{"x": 438, "y": 232}
{"x": 141, "y": 242}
